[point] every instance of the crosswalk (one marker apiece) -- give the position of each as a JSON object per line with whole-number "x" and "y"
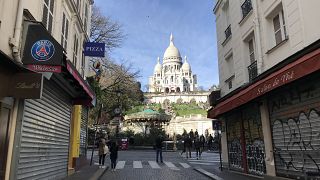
{"x": 152, "y": 164}
{"x": 207, "y": 159}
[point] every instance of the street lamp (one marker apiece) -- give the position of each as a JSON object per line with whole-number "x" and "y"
{"x": 118, "y": 110}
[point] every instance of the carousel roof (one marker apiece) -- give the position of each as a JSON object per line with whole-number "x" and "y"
{"x": 147, "y": 115}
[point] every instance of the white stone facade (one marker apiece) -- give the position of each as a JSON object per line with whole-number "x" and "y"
{"x": 199, "y": 97}
{"x": 172, "y": 75}
{"x": 253, "y": 33}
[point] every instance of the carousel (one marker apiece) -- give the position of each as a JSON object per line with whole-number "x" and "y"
{"x": 141, "y": 122}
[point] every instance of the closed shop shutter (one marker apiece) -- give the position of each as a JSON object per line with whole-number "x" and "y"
{"x": 295, "y": 124}
{"x": 44, "y": 142}
{"x": 245, "y": 140}
{"x": 83, "y": 131}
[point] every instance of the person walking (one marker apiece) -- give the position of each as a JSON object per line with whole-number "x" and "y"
{"x": 113, "y": 155}
{"x": 210, "y": 138}
{"x": 191, "y": 134}
{"x": 188, "y": 145}
{"x": 184, "y": 144}
{"x": 103, "y": 150}
{"x": 197, "y": 146}
{"x": 158, "y": 145}
{"x": 202, "y": 141}
{"x": 196, "y": 134}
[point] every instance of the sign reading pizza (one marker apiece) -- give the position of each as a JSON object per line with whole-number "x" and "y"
{"x": 41, "y": 51}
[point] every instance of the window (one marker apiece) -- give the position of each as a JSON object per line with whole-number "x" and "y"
{"x": 230, "y": 84}
{"x": 85, "y": 18}
{"x": 47, "y": 14}
{"x": 251, "y": 51}
{"x": 75, "y": 50}
{"x": 279, "y": 28}
{"x": 64, "y": 34}
{"x": 246, "y": 7}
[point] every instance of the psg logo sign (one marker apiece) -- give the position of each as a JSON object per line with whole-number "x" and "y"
{"x": 42, "y": 50}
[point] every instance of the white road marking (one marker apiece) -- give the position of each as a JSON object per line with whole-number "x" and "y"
{"x": 137, "y": 164}
{"x": 185, "y": 165}
{"x": 120, "y": 164}
{"x": 208, "y": 164}
{"x": 171, "y": 165}
{"x": 154, "y": 164}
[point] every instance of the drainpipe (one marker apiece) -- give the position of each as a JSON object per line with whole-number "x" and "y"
{"x": 256, "y": 22}
{"x": 15, "y": 40}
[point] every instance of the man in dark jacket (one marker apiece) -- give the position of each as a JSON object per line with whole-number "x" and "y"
{"x": 188, "y": 144}
{"x": 158, "y": 145}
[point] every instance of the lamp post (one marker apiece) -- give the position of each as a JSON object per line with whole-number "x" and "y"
{"x": 118, "y": 110}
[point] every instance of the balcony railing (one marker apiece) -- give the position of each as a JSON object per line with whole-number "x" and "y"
{"x": 246, "y": 8}
{"x": 253, "y": 71}
{"x": 227, "y": 32}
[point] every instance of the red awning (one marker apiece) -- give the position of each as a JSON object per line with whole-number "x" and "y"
{"x": 307, "y": 64}
{"x": 73, "y": 71}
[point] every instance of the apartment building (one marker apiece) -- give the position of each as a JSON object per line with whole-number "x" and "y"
{"x": 269, "y": 110}
{"x": 44, "y": 98}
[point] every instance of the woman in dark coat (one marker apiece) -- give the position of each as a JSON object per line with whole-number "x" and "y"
{"x": 113, "y": 155}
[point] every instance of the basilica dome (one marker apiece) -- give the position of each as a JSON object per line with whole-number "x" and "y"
{"x": 185, "y": 66}
{"x": 158, "y": 66}
{"x": 172, "y": 53}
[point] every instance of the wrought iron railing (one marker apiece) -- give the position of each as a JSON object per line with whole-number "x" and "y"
{"x": 228, "y": 32}
{"x": 253, "y": 71}
{"x": 246, "y": 8}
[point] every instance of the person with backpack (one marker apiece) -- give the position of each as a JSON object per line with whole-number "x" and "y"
{"x": 103, "y": 151}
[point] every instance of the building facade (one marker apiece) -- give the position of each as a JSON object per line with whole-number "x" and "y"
{"x": 172, "y": 75}
{"x": 173, "y": 81}
{"x": 44, "y": 104}
{"x": 269, "y": 61}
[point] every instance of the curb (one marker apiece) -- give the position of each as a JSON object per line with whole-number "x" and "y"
{"x": 99, "y": 173}
{"x": 206, "y": 173}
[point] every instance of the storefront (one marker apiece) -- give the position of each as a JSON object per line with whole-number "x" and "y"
{"x": 17, "y": 83}
{"x": 45, "y": 126}
{"x": 295, "y": 124}
{"x": 272, "y": 125}
{"x": 245, "y": 140}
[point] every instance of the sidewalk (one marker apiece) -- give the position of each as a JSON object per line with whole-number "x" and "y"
{"x": 88, "y": 173}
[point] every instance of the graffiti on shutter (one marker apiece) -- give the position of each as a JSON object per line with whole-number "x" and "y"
{"x": 234, "y": 145}
{"x": 295, "y": 120}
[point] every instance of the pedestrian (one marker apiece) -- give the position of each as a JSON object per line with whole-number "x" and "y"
{"x": 184, "y": 144}
{"x": 197, "y": 146}
{"x": 191, "y": 134}
{"x": 113, "y": 155}
{"x": 188, "y": 143}
{"x": 203, "y": 141}
{"x": 196, "y": 134}
{"x": 210, "y": 138}
{"x": 103, "y": 150}
{"x": 158, "y": 146}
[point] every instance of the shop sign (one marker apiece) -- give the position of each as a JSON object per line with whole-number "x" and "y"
{"x": 44, "y": 68}
{"x": 26, "y": 85}
{"x": 40, "y": 48}
{"x": 94, "y": 49}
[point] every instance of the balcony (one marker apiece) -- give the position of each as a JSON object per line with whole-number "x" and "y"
{"x": 246, "y": 8}
{"x": 227, "y": 32}
{"x": 253, "y": 71}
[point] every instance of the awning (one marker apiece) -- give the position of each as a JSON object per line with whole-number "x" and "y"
{"x": 305, "y": 65}
{"x": 90, "y": 96}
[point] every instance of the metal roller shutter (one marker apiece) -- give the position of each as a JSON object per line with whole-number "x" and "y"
{"x": 83, "y": 131}
{"x": 44, "y": 143}
{"x": 295, "y": 124}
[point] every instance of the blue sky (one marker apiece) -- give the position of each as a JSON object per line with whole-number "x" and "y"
{"x": 148, "y": 24}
